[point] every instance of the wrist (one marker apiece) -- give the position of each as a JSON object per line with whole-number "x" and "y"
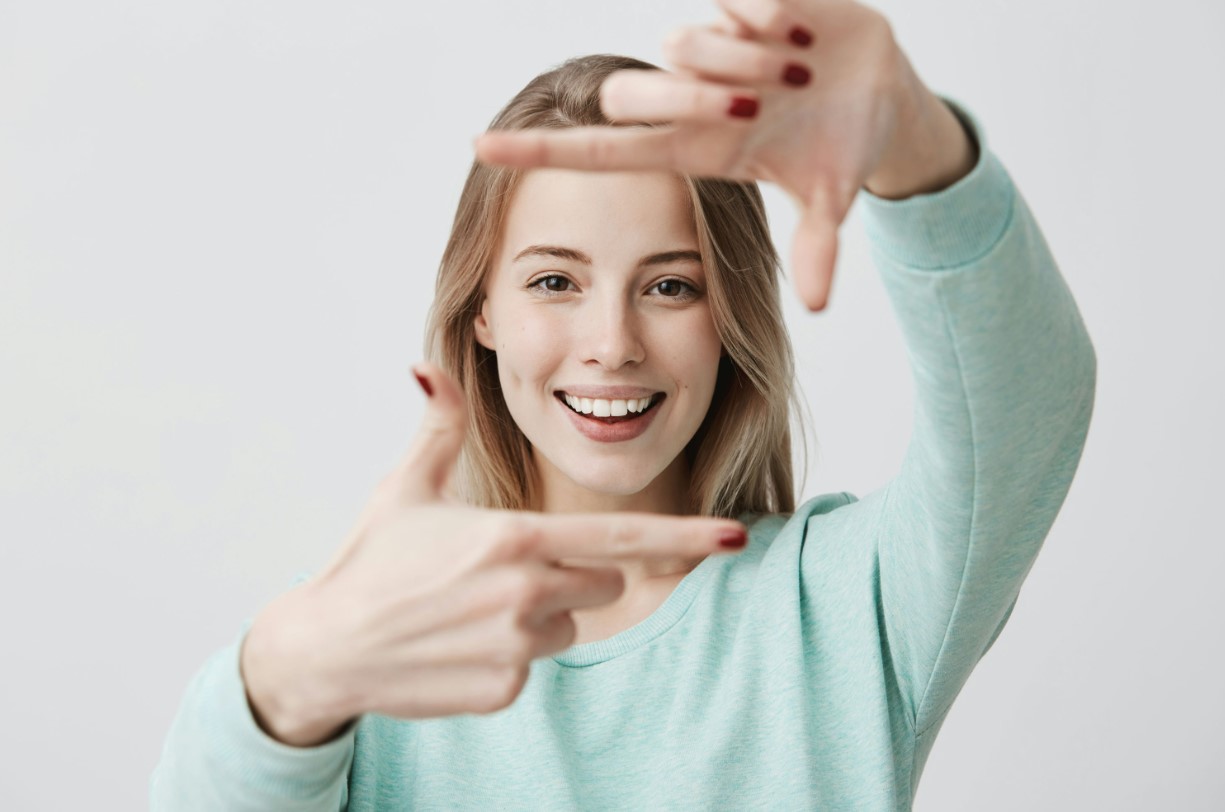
{"x": 930, "y": 149}
{"x": 289, "y": 701}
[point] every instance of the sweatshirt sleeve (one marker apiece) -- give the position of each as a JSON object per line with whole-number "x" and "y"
{"x": 216, "y": 757}
{"x": 1004, "y": 375}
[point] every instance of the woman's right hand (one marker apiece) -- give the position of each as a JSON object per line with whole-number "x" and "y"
{"x": 434, "y": 608}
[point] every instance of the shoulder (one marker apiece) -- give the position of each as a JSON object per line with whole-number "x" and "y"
{"x": 770, "y": 524}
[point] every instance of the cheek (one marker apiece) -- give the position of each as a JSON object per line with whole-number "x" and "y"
{"x": 699, "y": 341}
{"x": 534, "y": 344}
{"x": 692, "y": 349}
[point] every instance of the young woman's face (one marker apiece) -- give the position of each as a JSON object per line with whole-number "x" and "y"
{"x": 598, "y": 291}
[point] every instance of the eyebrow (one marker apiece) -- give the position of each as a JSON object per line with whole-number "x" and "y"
{"x": 575, "y": 255}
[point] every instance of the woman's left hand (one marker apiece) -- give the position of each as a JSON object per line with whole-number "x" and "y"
{"x": 821, "y": 140}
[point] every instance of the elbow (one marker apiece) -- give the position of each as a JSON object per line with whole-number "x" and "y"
{"x": 1089, "y": 373}
{"x": 1082, "y": 391}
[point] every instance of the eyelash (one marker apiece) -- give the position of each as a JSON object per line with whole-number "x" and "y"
{"x": 692, "y": 293}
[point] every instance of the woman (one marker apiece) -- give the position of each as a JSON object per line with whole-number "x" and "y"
{"x": 513, "y": 624}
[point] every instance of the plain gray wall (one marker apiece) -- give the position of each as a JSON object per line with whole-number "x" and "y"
{"x": 219, "y": 228}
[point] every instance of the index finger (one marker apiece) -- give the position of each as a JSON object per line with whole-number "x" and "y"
{"x": 596, "y": 148}
{"x": 633, "y": 535}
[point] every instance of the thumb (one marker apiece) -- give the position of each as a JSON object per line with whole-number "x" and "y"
{"x": 425, "y": 469}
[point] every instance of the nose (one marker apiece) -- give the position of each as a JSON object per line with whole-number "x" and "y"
{"x": 609, "y": 333}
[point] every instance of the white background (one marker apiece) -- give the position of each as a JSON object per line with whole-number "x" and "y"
{"x": 219, "y": 228}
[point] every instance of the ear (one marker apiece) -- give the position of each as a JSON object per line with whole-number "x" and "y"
{"x": 484, "y": 335}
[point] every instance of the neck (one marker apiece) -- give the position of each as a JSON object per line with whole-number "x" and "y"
{"x": 666, "y": 494}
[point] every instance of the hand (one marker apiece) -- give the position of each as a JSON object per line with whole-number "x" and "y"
{"x": 433, "y": 608}
{"x": 820, "y": 142}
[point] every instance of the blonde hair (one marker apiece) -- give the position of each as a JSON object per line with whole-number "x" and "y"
{"x": 740, "y": 456}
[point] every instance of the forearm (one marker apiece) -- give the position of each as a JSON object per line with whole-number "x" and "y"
{"x": 216, "y": 757}
{"x": 930, "y": 149}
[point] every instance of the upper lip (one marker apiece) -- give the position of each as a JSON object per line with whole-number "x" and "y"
{"x": 608, "y": 392}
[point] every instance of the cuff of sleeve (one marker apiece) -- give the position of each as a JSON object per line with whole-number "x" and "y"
{"x": 951, "y": 227}
{"x": 256, "y": 759}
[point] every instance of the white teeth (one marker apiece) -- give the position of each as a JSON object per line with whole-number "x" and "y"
{"x": 601, "y": 407}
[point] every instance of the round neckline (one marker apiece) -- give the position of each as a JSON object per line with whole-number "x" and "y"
{"x": 650, "y": 627}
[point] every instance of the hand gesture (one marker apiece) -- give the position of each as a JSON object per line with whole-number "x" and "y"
{"x": 432, "y": 608}
{"x": 806, "y": 94}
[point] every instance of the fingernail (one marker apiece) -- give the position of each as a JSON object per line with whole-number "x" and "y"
{"x": 743, "y": 107}
{"x": 734, "y": 539}
{"x": 801, "y": 36}
{"x": 796, "y": 74}
{"x": 425, "y": 384}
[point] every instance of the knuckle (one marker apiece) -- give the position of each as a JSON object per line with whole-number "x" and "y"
{"x": 678, "y": 45}
{"x": 765, "y": 65}
{"x": 504, "y": 687}
{"x": 615, "y": 580}
{"x": 514, "y": 587}
{"x": 512, "y": 534}
{"x": 623, "y": 536}
{"x": 526, "y": 591}
{"x": 599, "y": 153}
{"x": 520, "y": 647}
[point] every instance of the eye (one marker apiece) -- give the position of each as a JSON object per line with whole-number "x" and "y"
{"x": 549, "y": 289}
{"x": 683, "y": 290}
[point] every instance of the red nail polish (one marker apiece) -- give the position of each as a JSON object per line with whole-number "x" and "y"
{"x": 801, "y": 36}
{"x": 424, "y": 384}
{"x": 796, "y": 74}
{"x": 743, "y": 107}
{"x": 734, "y": 539}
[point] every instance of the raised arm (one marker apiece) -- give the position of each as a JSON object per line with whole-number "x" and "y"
{"x": 1004, "y": 370}
{"x": 1004, "y": 375}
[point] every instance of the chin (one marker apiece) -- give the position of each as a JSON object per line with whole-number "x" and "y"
{"x": 612, "y": 477}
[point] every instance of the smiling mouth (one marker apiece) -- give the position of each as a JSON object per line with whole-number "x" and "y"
{"x": 656, "y": 399}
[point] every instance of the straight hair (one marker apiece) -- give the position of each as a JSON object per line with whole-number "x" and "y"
{"x": 740, "y": 458}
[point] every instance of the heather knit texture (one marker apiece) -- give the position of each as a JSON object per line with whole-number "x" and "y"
{"x": 814, "y": 669}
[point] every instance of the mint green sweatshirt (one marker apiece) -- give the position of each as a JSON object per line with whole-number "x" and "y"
{"x": 812, "y": 670}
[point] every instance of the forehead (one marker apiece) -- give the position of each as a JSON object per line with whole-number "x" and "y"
{"x": 619, "y": 212}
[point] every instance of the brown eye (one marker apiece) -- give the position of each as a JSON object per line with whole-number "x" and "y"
{"x": 553, "y": 283}
{"x": 676, "y": 289}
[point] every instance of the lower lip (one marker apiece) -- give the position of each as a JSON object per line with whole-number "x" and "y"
{"x": 611, "y": 432}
